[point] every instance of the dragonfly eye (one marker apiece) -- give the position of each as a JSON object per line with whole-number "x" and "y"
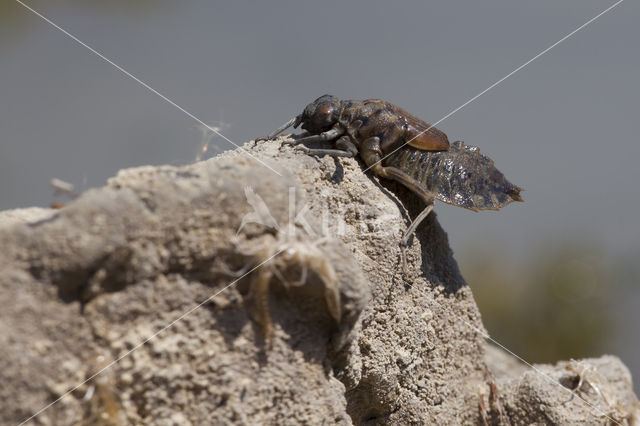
{"x": 321, "y": 114}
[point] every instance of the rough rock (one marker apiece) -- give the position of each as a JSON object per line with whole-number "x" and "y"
{"x": 593, "y": 391}
{"x": 162, "y": 271}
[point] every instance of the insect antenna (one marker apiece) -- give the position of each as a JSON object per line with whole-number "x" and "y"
{"x": 295, "y": 122}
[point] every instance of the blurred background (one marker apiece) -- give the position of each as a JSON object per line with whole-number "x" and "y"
{"x": 556, "y": 277}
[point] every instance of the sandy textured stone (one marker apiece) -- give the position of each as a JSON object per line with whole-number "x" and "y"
{"x": 152, "y": 254}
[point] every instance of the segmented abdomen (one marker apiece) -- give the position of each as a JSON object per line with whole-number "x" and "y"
{"x": 461, "y": 176}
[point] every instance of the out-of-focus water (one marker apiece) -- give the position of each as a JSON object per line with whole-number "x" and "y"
{"x": 564, "y": 127}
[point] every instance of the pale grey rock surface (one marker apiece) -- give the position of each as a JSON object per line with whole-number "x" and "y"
{"x": 149, "y": 250}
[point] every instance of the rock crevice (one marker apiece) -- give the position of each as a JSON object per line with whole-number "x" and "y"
{"x": 169, "y": 246}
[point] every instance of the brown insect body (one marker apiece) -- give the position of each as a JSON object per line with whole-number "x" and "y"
{"x": 393, "y": 125}
{"x": 399, "y": 146}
